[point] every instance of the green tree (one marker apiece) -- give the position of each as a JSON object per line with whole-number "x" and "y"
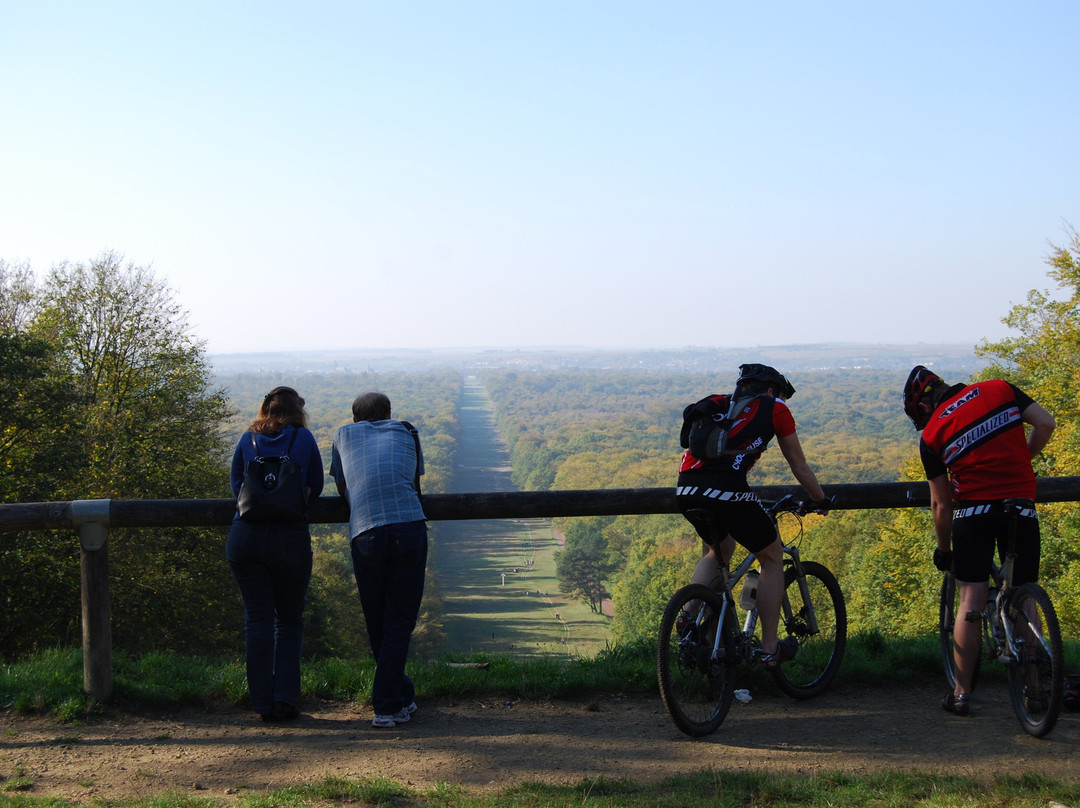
{"x": 886, "y": 572}
{"x": 1043, "y": 359}
{"x": 38, "y": 575}
{"x": 661, "y": 555}
{"x": 586, "y": 565}
{"x": 112, "y": 339}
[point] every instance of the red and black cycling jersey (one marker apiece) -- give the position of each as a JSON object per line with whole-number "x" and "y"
{"x": 977, "y": 436}
{"x": 753, "y": 428}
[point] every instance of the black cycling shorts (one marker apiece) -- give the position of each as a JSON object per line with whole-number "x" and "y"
{"x": 980, "y": 527}
{"x": 735, "y": 513}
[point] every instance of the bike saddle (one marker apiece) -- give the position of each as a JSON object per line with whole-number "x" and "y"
{"x": 704, "y": 523}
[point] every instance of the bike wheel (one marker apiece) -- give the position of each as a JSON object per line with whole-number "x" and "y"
{"x": 821, "y": 650}
{"x": 1037, "y": 673}
{"x": 696, "y": 689}
{"x": 947, "y": 611}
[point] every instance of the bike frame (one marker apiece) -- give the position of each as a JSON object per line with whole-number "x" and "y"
{"x": 727, "y": 581}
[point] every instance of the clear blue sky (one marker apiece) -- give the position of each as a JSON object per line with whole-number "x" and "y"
{"x": 608, "y": 174}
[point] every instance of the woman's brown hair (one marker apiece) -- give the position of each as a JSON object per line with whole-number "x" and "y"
{"x": 280, "y": 408}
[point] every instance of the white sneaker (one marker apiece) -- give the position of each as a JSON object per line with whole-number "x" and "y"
{"x": 412, "y": 708}
{"x": 387, "y": 721}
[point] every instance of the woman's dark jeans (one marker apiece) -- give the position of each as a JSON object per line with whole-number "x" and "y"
{"x": 389, "y": 563}
{"x": 272, "y": 566}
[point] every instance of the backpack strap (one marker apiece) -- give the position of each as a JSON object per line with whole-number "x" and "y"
{"x": 292, "y": 440}
{"x": 416, "y": 442}
{"x": 255, "y": 443}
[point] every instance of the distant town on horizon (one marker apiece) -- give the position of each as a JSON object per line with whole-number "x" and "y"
{"x": 822, "y": 356}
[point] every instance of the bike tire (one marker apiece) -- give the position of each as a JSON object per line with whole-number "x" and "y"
{"x": 948, "y": 606}
{"x": 820, "y": 653}
{"x": 1037, "y": 673}
{"x": 696, "y": 690}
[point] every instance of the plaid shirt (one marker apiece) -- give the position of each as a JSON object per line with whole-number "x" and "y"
{"x": 376, "y": 462}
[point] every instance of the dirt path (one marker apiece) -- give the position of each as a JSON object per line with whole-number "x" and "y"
{"x": 490, "y": 745}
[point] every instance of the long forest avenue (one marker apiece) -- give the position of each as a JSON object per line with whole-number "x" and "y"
{"x": 498, "y": 576}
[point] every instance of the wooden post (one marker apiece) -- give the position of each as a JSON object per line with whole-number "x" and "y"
{"x": 91, "y": 517}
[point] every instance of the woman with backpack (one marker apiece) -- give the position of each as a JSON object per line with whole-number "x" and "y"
{"x": 276, "y": 472}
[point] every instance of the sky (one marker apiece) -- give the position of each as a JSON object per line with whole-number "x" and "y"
{"x": 421, "y": 174}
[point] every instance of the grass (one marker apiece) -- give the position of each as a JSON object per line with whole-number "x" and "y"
{"x": 51, "y": 682}
{"x": 502, "y": 595}
{"x": 703, "y": 789}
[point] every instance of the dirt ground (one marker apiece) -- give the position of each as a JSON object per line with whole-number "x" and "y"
{"x": 481, "y": 745}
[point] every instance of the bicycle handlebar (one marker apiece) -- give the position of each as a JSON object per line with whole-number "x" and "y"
{"x": 800, "y": 507}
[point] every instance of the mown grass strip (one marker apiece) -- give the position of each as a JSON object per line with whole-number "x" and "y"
{"x": 702, "y": 789}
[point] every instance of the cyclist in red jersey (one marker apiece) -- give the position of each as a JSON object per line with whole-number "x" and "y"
{"x": 975, "y": 454}
{"x": 719, "y": 485}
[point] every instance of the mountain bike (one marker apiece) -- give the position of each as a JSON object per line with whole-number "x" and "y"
{"x": 697, "y": 655}
{"x": 1020, "y": 629}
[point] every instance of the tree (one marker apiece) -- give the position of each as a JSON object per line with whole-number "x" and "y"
{"x": 144, "y": 378}
{"x": 660, "y": 559}
{"x": 1044, "y": 360}
{"x": 18, "y": 299}
{"x": 142, "y": 422}
{"x": 586, "y": 564}
{"x": 38, "y": 576}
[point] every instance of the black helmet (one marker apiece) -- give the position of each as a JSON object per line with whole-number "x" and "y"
{"x": 919, "y": 403}
{"x": 769, "y": 376}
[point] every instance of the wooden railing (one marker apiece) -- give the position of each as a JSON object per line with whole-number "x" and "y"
{"x": 94, "y": 518}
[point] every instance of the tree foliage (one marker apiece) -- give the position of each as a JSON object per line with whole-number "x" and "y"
{"x": 586, "y": 564}
{"x": 102, "y": 359}
{"x": 1043, "y": 359}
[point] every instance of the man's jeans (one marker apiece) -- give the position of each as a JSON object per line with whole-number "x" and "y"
{"x": 272, "y": 566}
{"x": 389, "y": 563}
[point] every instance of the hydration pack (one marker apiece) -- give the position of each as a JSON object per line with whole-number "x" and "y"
{"x": 707, "y": 425}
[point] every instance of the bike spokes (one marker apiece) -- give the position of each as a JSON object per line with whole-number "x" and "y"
{"x": 814, "y": 614}
{"x": 1036, "y": 672}
{"x": 695, "y": 673}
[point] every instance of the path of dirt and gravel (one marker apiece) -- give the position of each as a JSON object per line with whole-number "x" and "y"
{"x": 488, "y": 744}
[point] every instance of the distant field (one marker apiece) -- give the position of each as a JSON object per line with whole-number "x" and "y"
{"x": 497, "y": 577}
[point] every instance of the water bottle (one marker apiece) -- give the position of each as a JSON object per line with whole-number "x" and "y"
{"x": 992, "y": 610}
{"x": 748, "y": 597}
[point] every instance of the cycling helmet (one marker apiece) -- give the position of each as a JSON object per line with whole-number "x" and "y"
{"x": 919, "y": 401}
{"x": 767, "y": 376}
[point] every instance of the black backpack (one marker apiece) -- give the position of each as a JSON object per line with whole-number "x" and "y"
{"x": 273, "y": 488}
{"x": 706, "y": 424}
